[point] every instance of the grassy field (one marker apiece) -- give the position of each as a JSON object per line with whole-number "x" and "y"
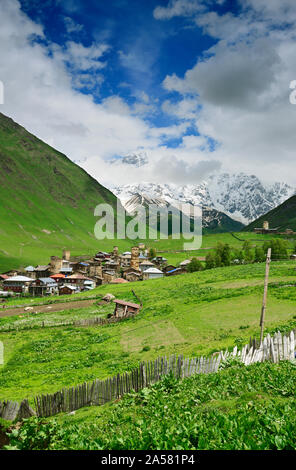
{"x": 238, "y": 408}
{"x": 192, "y": 314}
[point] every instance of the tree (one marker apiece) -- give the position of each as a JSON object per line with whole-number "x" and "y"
{"x": 152, "y": 253}
{"x": 226, "y": 255}
{"x": 194, "y": 265}
{"x": 218, "y": 260}
{"x": 223, "y": 255}
{"x": 210, "y": 261}
{"x": 278, "y": 248}
{"x": 248, "y": 252}
{"x": 259, "y": 255}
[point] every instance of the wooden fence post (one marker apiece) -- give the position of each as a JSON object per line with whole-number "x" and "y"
{"x": 268, "y": 258}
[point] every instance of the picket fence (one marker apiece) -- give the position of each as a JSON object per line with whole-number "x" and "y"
{"x": 274, "y": 349}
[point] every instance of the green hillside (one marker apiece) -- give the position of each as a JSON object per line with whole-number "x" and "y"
{"x": 282, "y": 217}
{"x": 193, "y": 314}
{"x": 238, "y": 408}
{"x": 46, "y": 201}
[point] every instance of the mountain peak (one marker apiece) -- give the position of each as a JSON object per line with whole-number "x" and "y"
{"x": 240, "y": 196}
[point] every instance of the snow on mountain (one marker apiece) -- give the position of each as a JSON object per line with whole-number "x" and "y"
{"x": 242, "y": 197}
{"x": 212, "y": 219}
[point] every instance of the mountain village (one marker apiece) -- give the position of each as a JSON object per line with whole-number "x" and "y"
{"x": 68, "y": 275}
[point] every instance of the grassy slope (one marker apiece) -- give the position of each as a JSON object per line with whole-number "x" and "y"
{"x": 192, "y": 314}
{"x": 239, "y": 408}
{"x": 41, "y": 189}
{"x": 283, "y": 216}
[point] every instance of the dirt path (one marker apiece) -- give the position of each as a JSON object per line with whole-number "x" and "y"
{"x": 8, "y": 312}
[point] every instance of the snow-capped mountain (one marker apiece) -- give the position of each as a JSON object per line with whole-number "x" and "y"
{"x": 240, "y": 196}
{"x": 212, "y": 219}
{"x": 135, "y": 159}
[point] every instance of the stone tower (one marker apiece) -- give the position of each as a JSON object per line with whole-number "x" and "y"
{"x": 66, "y": 255}
{"x": 135, "y": 258}
{"x": 95, "y": 269}
{"x": 55, "y": 265}
{"x": 115, "y": 253}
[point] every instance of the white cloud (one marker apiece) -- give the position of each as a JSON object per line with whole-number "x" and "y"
{"x": 39, "y": 95}
{"x": 71, "y": 26}
{"x": 178, "y": 8}
{"x": 80, "y": 57}
{"x": 237, "y": 94}
{"x": 241, "y": 89}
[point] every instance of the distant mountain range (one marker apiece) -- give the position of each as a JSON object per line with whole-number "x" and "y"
{"x": 282, "y": 217}
{"x": 212, "y": 220}
{"x": 241, "y": 197}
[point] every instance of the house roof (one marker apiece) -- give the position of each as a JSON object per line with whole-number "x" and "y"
{"x": 173, "y": 270}
{"x": 119, "y": 280}
{"x": 58, "y": 276}
{"x": 146, "y": 263}
{"x": 153, "y": 271}
{"x": 129, "y": 304}
{"x": 130, "y": 269}
{"x": 4, "y": 276}
{"x": 68, "y": 287}
{"x": 47, "y": 280}
{"x": 30, "y": 269}
{"x": 18, "y": 279}
{"x": 79, "y": 276}
{"x": 42, "y": 268}
{"x": 185, "y": 262}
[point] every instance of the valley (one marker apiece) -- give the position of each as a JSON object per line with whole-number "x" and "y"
{"x": 51, "y": 342}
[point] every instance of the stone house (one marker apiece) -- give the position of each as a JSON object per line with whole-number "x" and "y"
{"x": 43, "y": 286}
{"x": 133, "y": 276}
{"x": 18, "y": 284}
{"x": 67, "y": 290}
{"x": 175, "y": 272}
{"x": 152, "y": 273}
{"x": 30, "y": 272}
{"x": 42, "y": 271}
{"x": 146, "y": 265}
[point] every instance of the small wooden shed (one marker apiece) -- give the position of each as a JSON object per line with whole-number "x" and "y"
{"x": 123, "y": 308}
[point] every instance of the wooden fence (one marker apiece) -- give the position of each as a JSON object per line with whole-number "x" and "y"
{"x": 274, "y": 349}
{"x": 93, "y": 321}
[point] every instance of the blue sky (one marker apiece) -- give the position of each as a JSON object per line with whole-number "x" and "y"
{"x": 142, "y": 50}
{"x": 196, "y": 86}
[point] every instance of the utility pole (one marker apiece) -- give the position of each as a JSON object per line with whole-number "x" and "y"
{"x": 268, "y": 258}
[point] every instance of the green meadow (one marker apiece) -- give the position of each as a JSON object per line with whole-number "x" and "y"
{"x": 191, "y": 314}
{"x": 239, "y": 408}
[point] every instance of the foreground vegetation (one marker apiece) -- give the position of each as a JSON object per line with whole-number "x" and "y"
{"x": 237, "y": 408}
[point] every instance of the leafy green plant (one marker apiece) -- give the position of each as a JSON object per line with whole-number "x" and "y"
{"x": 35, "y": 434}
